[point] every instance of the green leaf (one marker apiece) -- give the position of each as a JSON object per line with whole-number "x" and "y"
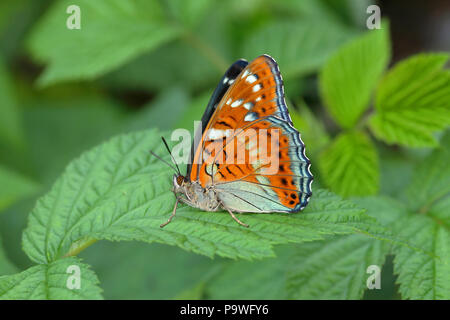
{"x": 413, "y": 101}
{"x": 112, "y": 33}
{"x": 206, "y": 56}
{"x": 49, "y": 281}
{"x": 351, "y": 74}
{"x": 349, "y": 166}
{"x": 14, "y": 186}
{"x": 431, "y": 180}
{"x": 299, "y": 47}
{"x": 11, "y": 131}
{"x": 331, "y": 269}
{"x": 118, "y": 191}
{"x": 385, "y": 209}
{"x": 423, "y": 276}
{"x": 335, "y": 268}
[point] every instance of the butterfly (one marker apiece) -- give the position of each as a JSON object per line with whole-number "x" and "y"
{"x": 263, "y": 174}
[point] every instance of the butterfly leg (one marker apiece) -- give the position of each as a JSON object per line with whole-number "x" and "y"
{"x": 172, "y": 215}
{"x": 236, "y": 219}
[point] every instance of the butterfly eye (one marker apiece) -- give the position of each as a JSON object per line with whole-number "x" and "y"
{"x": 180, "y": 180}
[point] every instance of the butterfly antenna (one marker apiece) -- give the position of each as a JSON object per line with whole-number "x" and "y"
{"x": 159, "y": 158}
{"x": 170, "y": 152}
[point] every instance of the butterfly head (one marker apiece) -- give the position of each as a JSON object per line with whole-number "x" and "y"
{"x": 182, "y": 186}
{"x": 193, "y": 193}
{"x": 179, "y": 183}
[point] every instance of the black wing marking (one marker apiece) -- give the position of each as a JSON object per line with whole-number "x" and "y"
{"x": 225, "y": 83}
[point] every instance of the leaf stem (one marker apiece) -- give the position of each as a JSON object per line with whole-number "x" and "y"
{"x": 79, "y": 246}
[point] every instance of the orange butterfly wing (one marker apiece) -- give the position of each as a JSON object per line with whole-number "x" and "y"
{"x": 253, "y": 104}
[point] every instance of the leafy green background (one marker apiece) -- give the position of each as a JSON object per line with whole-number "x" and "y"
{"x": 80, "y": 109}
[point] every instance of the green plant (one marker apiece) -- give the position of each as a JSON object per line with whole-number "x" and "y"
{"x": 381, "y": 164}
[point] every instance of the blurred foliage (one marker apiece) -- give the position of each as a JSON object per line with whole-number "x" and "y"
{"x": 412, "y": 101}
{"x": 376, "y": 135}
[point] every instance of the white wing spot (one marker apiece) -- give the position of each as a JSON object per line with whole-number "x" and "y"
{"x": 229, "y": 101}
{"x": 245, "y": 74}
{"x": 258, "y": 99}
{"x": 214, "y": 134}
{"x": 251, "y": 116}
{"x": 256, "y": 87}
{"x": 225, "y": 80}
{"x": 248, "y": 105}
{"x": 251, "y": 78}
{"x": 237, "y": 103}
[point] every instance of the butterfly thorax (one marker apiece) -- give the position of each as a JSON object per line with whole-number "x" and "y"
{"x": 194, "y": 194}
